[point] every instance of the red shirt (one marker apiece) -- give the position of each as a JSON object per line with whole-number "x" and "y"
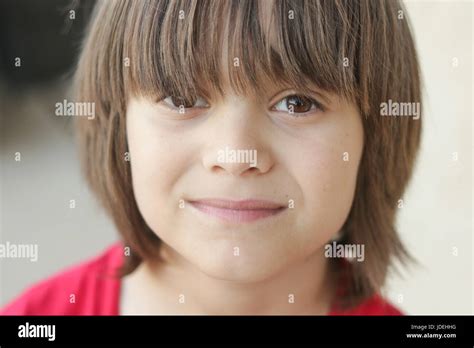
{"x": 91, "y": 288}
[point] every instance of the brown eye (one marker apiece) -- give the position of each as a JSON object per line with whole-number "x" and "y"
{"x": 297, "y": 104}
{"x": 181, "y": 102}
{"x": 178, "y": 101}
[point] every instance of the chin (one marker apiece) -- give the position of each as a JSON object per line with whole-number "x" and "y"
{"x": 242, "y": 268}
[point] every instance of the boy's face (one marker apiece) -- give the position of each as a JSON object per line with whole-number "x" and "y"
{"x": 187, "y": 167}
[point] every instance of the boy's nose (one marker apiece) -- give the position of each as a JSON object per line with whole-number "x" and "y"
{"x": 233, "y": 168}
{"x": 237, "y": 161}
{"x": 238, "y": 145}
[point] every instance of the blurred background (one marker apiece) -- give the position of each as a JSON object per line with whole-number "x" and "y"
{"x": 436, "y": 221}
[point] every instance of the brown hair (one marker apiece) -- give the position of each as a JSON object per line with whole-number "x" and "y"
{"x": 362, "y": 50}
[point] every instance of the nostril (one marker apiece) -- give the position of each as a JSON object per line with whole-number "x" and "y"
{"x": 217, "y": 169}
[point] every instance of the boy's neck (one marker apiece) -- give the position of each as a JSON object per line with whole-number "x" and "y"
{"x": 177, "y": 287}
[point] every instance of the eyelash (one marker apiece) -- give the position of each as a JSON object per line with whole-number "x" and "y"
{"x": 314, "y": 102}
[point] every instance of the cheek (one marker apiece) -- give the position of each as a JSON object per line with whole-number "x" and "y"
{"x": 331, "y": 186}
{"x": 326, "y": 171}
{"x": 157, "y": 158}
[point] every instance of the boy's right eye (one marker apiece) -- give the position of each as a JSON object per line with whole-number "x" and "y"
{"x": 174, "y": 102}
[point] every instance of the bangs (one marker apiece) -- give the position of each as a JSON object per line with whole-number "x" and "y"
{"x": 188, "y": 48}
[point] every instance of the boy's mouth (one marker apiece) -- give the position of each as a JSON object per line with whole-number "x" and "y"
{"x": 237, "y": 211}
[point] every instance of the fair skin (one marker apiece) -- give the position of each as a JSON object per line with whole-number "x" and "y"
{"x": 212, "y": 265}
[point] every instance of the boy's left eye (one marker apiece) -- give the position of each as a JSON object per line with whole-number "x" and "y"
{"x": 180, "y": 102}
{"x": 297, "y": 104}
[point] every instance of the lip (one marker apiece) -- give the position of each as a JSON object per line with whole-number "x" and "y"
{"x": 240, "y": 211}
